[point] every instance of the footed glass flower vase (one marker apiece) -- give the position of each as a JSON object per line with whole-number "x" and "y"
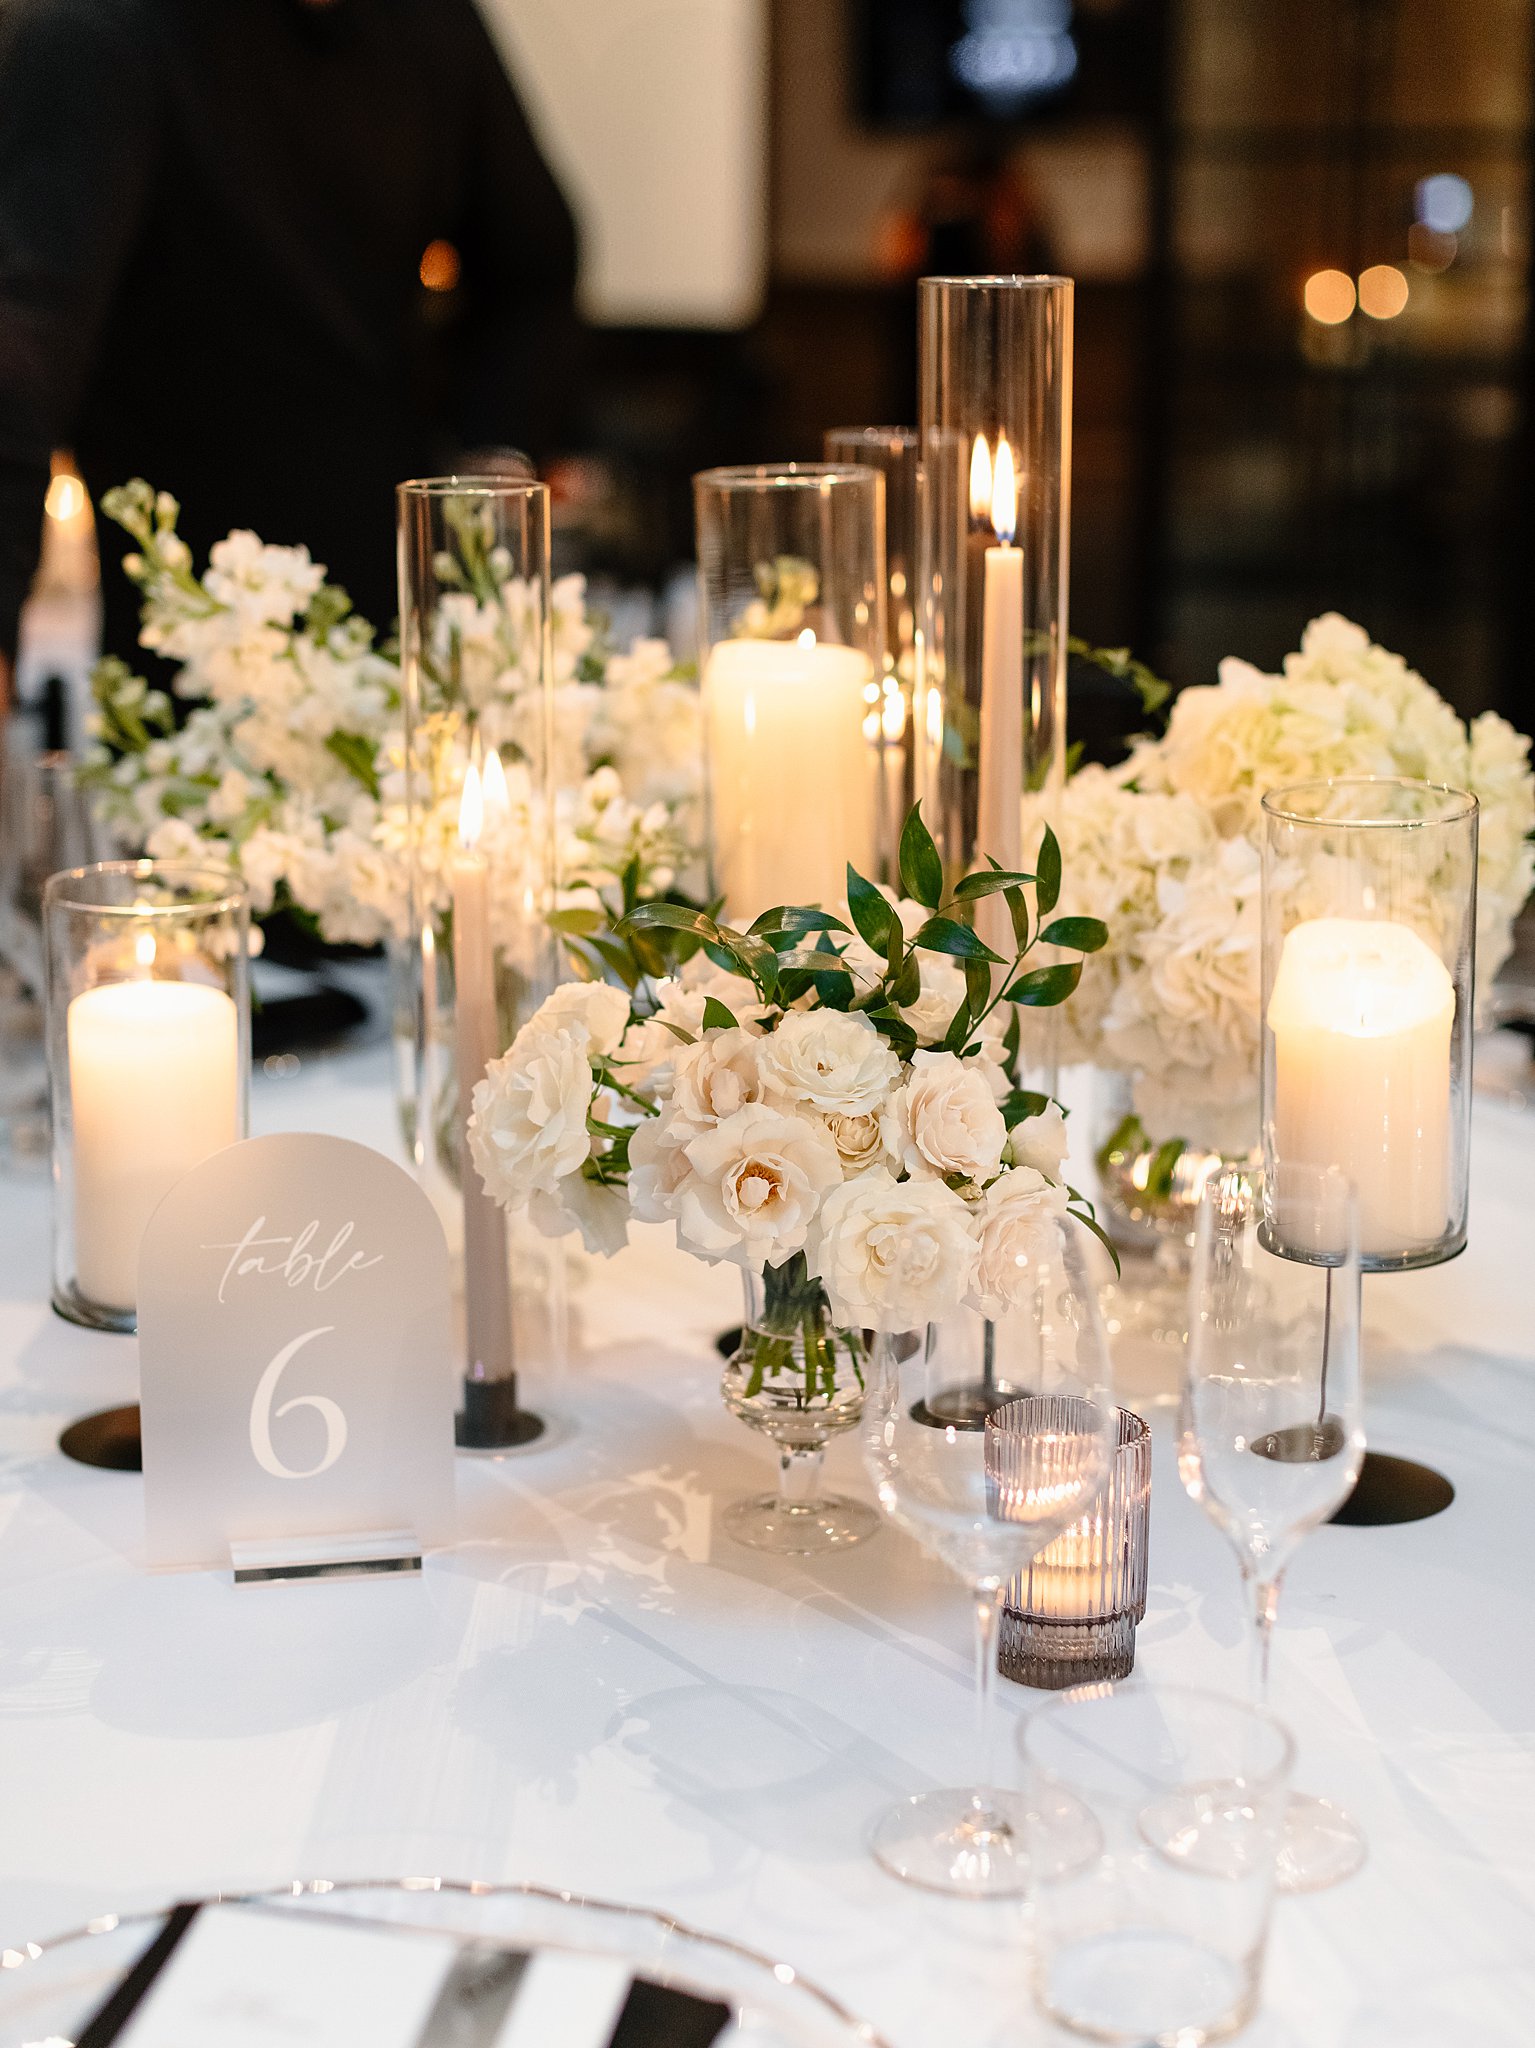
{"x": 798, "y": 1377}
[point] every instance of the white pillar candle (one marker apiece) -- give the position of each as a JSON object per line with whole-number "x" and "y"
{"x": 1362, "y": 1013}
{"x": 999, "y": 825}
{"x": 487, "y": 1281}
{"x": 791, "y": 782}
{"x": 154, "y": 1084}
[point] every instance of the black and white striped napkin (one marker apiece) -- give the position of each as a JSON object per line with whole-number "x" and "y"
{"x": 229, "y": 1976}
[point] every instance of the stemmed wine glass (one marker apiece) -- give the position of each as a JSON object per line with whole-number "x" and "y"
{"x": 985, "y": 1469}
{"x": 1271, "y": 1434}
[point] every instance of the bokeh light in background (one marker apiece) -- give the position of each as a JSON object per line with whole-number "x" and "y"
{"x": 1443, "y": 203}
{"x": 1382, "y": 291}
{"x": 1329, "y": 296}
{"x": 1430, "y": 249}
{"x": 440, "y": 266}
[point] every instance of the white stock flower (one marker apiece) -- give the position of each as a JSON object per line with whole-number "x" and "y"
{"x": 894, "y": 1255}
{"x": 754, "y": 1184}
{"x": 1019, "y": 1221}
{"x": 1040, "y": 1142}
{"x": 528, "y": 1127}
{"x": 829, "y": 1061}
{"x": 945, "y": 1120}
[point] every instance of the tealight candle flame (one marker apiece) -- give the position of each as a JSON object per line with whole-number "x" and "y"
{"x": 1004, "y": 494}
{"x": 806, "y": 638}
{"x": 471, "y": 810}
{"x": 980, "y": 478}
{"x": 144, "y": 950}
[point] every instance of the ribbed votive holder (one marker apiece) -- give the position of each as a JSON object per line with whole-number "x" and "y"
{"x": 1070, "y": 1619}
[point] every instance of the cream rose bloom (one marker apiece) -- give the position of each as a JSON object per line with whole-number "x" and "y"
{"x": 1019, "y": 1232}
{"x": 599, "y": 1009}
{"x": 753, "y": 1185}
{"x": 658, "y": 1164}
{"x": 859, "y": 1140}
{"x": 894, "y": 1255}
{"x": 528, "y": 1126}
{"x": 829, "y": 1061}
{"x": 945, "y": 1120}
{"x": 716, "y": 1076}
{"x": 1040, "y": 1142}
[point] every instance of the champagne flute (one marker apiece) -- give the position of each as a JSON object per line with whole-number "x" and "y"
{"x": 985, "y": 1472}
{"x": 1272, "y": 1433}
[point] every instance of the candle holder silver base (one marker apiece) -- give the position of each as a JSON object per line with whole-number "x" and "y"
{"x": 109, "y": 1440}
{"x": 1054, "y": 1654}
{"x": 75, "y": 1307}
{"x": 1391, "y": 1490}
{"x": 490, "y": 1422}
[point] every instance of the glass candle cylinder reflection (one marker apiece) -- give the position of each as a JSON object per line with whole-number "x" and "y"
{"x": 1070, "y": 1619}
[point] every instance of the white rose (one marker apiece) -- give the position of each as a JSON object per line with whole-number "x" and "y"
{"x": 945, "y": 1120}
{"x": 716, "y": 1076}
{"x": 894, "y": 1255}
{"x": 830, "y": 1061}
{"x": 942, "y": 992}
{"x": 1040, "y": 1142}
{"x": 1019, "y": 1227}
{"x": 658, "y": 1164}
{"x": 594, "y": 1006}
{"x": 528, "y": 1127}
{"x": 859, "y": 1140}
{"x": 754, "y": 1185}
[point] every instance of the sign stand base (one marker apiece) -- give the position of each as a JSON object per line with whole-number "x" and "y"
{"x": 372, "y": 1553}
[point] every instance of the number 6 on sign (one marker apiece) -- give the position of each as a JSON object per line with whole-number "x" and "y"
{"x": 322, "y": 1404}
{"x": 234, "y": 1264}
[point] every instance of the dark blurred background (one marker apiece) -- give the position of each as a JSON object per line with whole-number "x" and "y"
{"x": 1300, "y": 234}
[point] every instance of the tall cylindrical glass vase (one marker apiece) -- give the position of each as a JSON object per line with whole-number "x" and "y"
{"x": 478, "y": 688}
{"x": 994, "y": 372}
{"x": 791, "y": 579}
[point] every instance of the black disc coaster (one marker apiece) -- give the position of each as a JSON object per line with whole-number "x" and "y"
{"x": 1391, "y": 1490}
{"x": 109, "y": 1440}
{"x": 490, "y": 1419}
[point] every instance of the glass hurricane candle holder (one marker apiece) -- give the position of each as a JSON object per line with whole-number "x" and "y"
{"x": 148, "y": 1059}
{"x": 894, "y": 452}
{"x": 478, "y": 804}
{"x": 1070, "y": 1618}
{"x": 1369, "y": 925}
{"x": 791, "y": 579}
{"x": 994, "y": 372}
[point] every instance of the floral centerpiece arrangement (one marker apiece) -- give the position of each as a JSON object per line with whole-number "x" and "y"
{"x": 290, "y": 765}
{"x": 1165, "y": 851}
{"x": 829, "y": 1103}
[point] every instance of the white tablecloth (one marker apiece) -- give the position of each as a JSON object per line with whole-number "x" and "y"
{"x": 598, "y": 1690}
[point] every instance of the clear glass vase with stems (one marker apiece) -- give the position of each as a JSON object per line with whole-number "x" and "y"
{"x": 984, "y": 1473}
{"x": 797, "y": 1376}
{"x": 1272, "y": 1434}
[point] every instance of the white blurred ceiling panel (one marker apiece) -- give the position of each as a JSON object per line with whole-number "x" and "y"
{"x": 653, "y": 114}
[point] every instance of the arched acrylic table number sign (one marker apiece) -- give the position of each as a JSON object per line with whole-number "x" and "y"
{"x": 295, "y": 1358}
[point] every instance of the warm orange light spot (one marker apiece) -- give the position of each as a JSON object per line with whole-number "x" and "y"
{"x": 440, "y": 266}
{"x": 1382, "y": 291}
{"x": 1329, "y": 296}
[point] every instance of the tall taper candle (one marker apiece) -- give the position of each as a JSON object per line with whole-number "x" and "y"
{"x": 999, "y": 829}
{"x": 487, "y": 1283}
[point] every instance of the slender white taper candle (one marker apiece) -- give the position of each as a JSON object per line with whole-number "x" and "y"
{"x": 487, "y": 1282}
{"x": 999, "y": 825}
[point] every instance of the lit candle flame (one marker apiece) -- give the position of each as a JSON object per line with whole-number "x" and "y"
{"x": 980, "y": 478}
{"x": 497, "y": 802}
{"x": 1004, "y": 494}
{"x": 144, "y": 950}
{"x": 471, "y": 810}
{"x": 806, "y": 637}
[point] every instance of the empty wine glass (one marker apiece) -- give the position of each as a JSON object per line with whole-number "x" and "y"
{"x": 984, "y": 1474}
{"x": 1272, "y": 1436}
